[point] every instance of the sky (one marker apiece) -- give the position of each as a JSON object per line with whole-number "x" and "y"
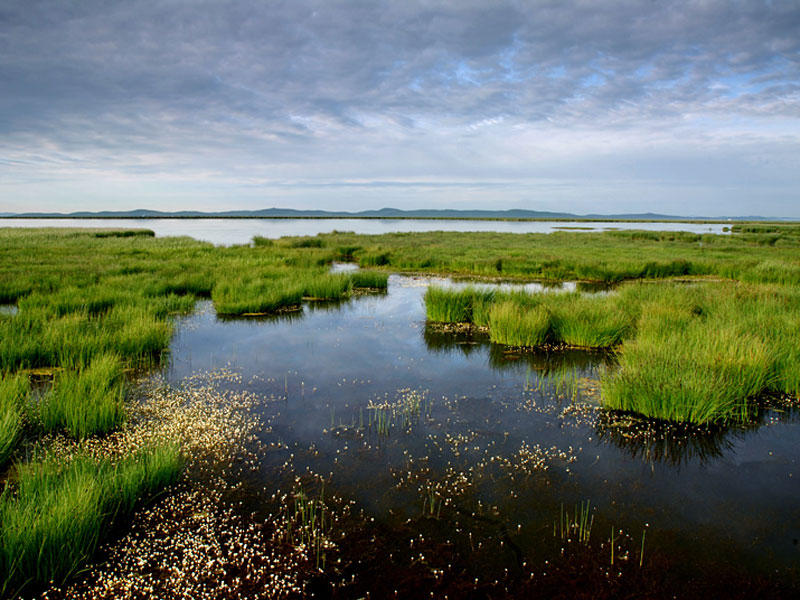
{"x": 679, "y": 107}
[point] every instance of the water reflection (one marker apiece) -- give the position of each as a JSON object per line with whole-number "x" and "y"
{"x": 544, "y": 362}
{"x": 9, "y": 309}
{"x": 454, "y": 339}
{"x": 285, "y": 316}
{"x": 678, "y": 445}
{"x": 661, "y": 442}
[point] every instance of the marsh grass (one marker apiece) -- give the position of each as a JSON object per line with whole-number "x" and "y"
{"x": 522, "y": 319}
{"x": 699, "y": 353}
{"x": 52, "y": 514}
{"x": 513, "y": 325}
{"x": 14, "y": 391}
{"x": 576, "y": 526}
{"x": 409, "y": 408}
{"x": 697, "y": 377}
{"x": 611, "y": 256}
{"x": 285, "y": 289}
{"x": 308, "y": 526}
{"x": 241, "y": 297}
{"x": 706, "y": 354}
{"x": 588, "y": 321}
{"x": 373, "y": 280}
{"x": 32, "y": 339}
{"x": 470, "y": 305}
{"x": 326, "y": 287}
{"x": 86, "y": 402}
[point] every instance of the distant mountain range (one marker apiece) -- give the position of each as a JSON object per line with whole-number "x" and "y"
{"x": 383, "y": 213}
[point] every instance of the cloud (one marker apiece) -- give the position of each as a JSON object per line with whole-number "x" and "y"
{"x": 582, "y": 92}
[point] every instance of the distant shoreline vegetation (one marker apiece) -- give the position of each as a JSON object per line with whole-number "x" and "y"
{"x": 395, "y": 218}
{"x": 398, "y": 214}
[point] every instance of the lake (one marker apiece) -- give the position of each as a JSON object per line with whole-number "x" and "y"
{"x": 241, "y": 231}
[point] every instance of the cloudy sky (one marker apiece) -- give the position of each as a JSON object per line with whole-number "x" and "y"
{"x": 689, "y": 107}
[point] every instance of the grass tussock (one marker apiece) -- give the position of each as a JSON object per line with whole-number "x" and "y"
{"x": 370, "y": 280}
{"x": 86, "y": 402}
{"x": 513, "y": 325}
{"x": 705, "y": 354}
{"x": 588, "y": 321}
{"x": 52, "y": 515}
{"x": 691, "y": 353}
{"x": 470, "y": 305}
{"x": 238, "y": 297}
{"x": 692, "y": 377}
{"x": 14, "y": 391}
{"x": 521, "y": 319}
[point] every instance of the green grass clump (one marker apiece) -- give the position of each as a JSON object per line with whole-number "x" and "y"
{"x": 240, "y": 297}
{"x": 695, "y": 376}
{"x": 306, "y": 242}
{"x": 262, "y": 241}
{"x": 14, "y": 392}
{"x": 588, "y": 321}
{"x": 369, "y": 280}
{"x": 34, "y": 339}
{"x": 511, "y": 324}
{"x": 85, "y": 402}
{"x": 699, "y": 353}
{"x": 704, "y": 354}
{"x": 143, "y": 474}
{"x": 52, "y": 514}
{"x": 470, "y": 305}
{"x": 325, "y": 287}
{"x": 448, "y": 306}
{"x": 522, "y": 319}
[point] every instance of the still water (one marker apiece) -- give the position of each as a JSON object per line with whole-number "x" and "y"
{"x": 241, "y": 231}
{"x": 474, "y": 429}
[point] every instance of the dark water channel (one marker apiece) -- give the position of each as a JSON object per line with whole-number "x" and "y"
{"x": 411, "y": 421}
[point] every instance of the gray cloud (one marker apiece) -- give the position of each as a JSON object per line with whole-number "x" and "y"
{"x": 466, "y": 93}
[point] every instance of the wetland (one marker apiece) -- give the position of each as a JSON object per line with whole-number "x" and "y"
{"x": 341, "y": 416}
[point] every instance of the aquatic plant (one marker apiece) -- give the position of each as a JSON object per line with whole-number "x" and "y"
{"x": 696, "y": 354}
{"x": 432, "y": 504}
{"x": 325, "y": 287}
{"x": 307, "y": 525}
{"x": 576, "y": 526}
{"x": 516, "y": 326}
{"x": 469, "y": 305}
{"x": 85, "y": 402}
{"x": 586, "y": 321}
{"x": 14, "y": 391}
{"x": 241, "y": 297}
{"x": 52, "y": 514}
{"x": 369, "y": 280}
{"x": 696, "y": 374}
